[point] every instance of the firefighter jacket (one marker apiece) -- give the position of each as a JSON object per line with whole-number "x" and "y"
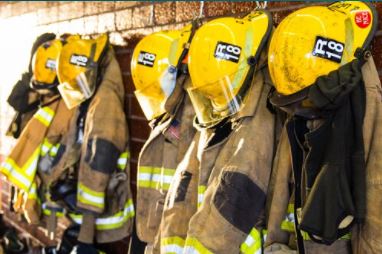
{"x": 284, "y": 216}
{"x": 170, "y": 137}
{"x": 40, "y": 138}
{"x": 216, "y": 202}
{"x": 97, "y": 149}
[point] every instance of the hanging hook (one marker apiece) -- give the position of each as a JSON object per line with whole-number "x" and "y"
{"x": 261, "y": 5}
{"x": 201, "y": 9}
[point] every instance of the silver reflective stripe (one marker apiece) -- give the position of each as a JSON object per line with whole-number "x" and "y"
{"x": 172, "y": 248}
{"x": 190, "y": 250}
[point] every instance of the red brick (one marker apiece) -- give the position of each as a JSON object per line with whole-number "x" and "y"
{"x": 164, "y": 13}
{"x": 34, "y": 5}
{"x": 378, "y": 6}
{"x": 19, "y": 8}
{"x": 135, "y": 148}
{"x": 128, "y": 83}
{"x": 139, "y": 129}
{"x": 70, "y": 10}
{"x": 142, "y": 16}
{"x": 106, "y": 22}
{"x": 124, "y": 19}
{"x": 243, "y": 7}
{"x": 106, "y": 6}
{"x": 186, "y": 10}
{"x": 6, "y": 10}
{"x": 90, "y": 8}
{"x": 377, "y": 51}
{"x": 124, "y": 61}
{"x": 47, "y": 15}
{"x": 212, "y": 9}
{"x": 126, "y": 4}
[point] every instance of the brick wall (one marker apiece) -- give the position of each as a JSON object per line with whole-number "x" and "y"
{"x": 127, "y": 22}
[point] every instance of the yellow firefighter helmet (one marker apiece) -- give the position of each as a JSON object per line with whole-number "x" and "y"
{"x": 154, "y": 68}
{"x": 78, "y": 66}
{"x": 223, "y": 56}
{"x": 316, "y": 40}
{"x": 44, "y": 65}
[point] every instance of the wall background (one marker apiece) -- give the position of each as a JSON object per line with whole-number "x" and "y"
{"x": 127, "y": 22}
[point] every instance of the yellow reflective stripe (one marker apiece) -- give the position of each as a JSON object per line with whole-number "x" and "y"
{"x": 44, "y": 115}
{"x": 112, "y": 222}
{"x": 8, "y": 169}
{"x": 172, "y": 245}
{"x": 47, "y": 147}
{"x": 201, "y": 190}
{"x": 194, "y": 246}
{"x": 48, "y": 212}
{"x": 32, "y": 193}
{"x": 21, "y": 177}
{"x": 288, "y": 223}
{"x": 155, "y": 177}
{"x": 122, "y": 160}
{"x": 252, "y": 244}
{"x": 54, "y": 149}
{"x": 90, "y": 197}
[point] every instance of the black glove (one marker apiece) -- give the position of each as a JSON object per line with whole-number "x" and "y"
{"x": 84, "y": 248}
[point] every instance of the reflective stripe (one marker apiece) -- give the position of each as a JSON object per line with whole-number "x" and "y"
{"x": 48, "y": 147}
{"x": 155, "y": 177}
{"x": 201, "y": 190}
{"x": 44, "y": 115}
{"x": 288, "y": 223}
{"x": 21, "y": 177}
{"x": 90, "y": 197}
{"x": 32, "y": 193}
{"x": 8, "y": 169}
{"x": 112, "y": 222}
{"x": 194, "y": 246}
{"x": 252, "y": 244}
{"x": 172, "y": 245}
{"x": 122, "y": 160}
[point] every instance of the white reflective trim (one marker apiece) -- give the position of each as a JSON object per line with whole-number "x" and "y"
{"x": 172, "y": 248}
{"x": 162, "y": 178}
{"x": 190, "y": 250}
{"x": 116, "y": 219}
{"x": 54, "y": 150}
{"x": 19, "y": 177}
{"x": 44, "y": 149}
{"x": 44, "y": 114}
{"x": 249, "y": 240}
{"x": 90, "y": 197}
{"x": 110, "y": 220}
{"x": 122, "y": 161}
{"x": 144, "y": 177}
{"x": 31, "y": 169}
{"x": 200, "y": 198}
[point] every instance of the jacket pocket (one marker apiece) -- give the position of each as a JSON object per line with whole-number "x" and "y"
{"x": 239, "y": 200}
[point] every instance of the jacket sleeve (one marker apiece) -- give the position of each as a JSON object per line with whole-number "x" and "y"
{"x": 105, "y": 138}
